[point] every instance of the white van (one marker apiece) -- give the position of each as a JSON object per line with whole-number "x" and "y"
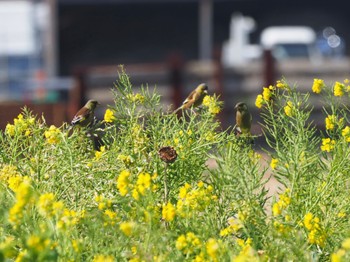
{"x": 288, "y": 42}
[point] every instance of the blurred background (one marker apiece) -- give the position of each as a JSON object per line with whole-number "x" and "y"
{"x": 56, "y": 54}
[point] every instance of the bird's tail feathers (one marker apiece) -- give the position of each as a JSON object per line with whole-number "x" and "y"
{"x": 176, "y": 110}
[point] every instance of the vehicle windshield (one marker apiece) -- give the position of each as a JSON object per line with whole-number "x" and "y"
{"x": 291, "y": 50}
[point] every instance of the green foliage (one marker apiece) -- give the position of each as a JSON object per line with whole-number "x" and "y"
{"x": 167, "y": 187}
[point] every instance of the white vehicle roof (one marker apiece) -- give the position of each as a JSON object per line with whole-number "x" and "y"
{"x": 287, "y": 35}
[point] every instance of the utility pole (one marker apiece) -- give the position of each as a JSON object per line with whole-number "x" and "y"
{"x": 205, "y": 29}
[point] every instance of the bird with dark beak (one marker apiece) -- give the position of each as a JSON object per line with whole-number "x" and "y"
{"x": 85, "y": 116}
{"x": 243, "y": 118}
{"x": 195, "y": 98}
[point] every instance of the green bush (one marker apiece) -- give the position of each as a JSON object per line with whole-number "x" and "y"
{"x": 148, "y": 193}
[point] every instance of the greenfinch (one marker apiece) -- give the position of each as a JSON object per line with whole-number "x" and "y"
{"x": 243, "y": 118}
{"x": 85, "y": 116}
{"x": 195, "y": 98}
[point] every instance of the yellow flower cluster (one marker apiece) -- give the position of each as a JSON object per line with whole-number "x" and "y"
{"x": 53, "y": 135}
{"x": 274, "y": 162}
{"x": 327, "y": 144}
{"x": 7, "y": 248}
{"x": 38, "y": 244}
{"x": 110, "y": 217}
{"x": 168, "y": 212}
{"x": 265, "y": 97}
{"x": 21, "y": 126}
{"x": 48, "y": 207}
{"x": 338, "y": 89}
{"x": 123, "y": 182}
{"x": 102, "y": 202}
{"x": 143, "y": 183}
{"x": 282, "y": 203}
{"x": 125, "y": 186}
{"x": 235, "y": 224}
{"x": 247, "y": 253}
{"x": 346, "y": 133}
{"x": 212, "y": 247}
{"x": 109, "y": 116}
{"x": 289, "y": 109}
{"x": 127, "y": 160}
{"x": 136, "y": 98}
{"x": 332, "y": 121}
{"x": 194, "y": 199}
{"x": 99, "y": 153}
{"x": 10, "y": 176}
{"x": 69, "y": 218}
{"x": 127, "y": 227}
{"x": 281, "y": 84}
{"x": 23, "y": 198}
{"x": 341, "y": 252}
{"x": 316, "y": 233}
{"x": 318, "y": 85}
{"x": 103, "y": 258}
{"x": 212, "y": 104}
{"x": 188, "y": 243}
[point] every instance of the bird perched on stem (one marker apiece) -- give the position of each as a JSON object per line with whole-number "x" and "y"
{"x": 195, "y": 98}
{"x": 85, "y": 116}
{"x": 243, "y": 118}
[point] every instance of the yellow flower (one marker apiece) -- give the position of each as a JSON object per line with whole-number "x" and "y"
{"x": 281, "y": 228}
{"x": 143, "y": 182}
{"x": 266, "y": 94}
{"x": 10, "y": 130}
{"x": 281, "y": 84}
{"x": 346, "y": 133}
{"x": 127, "y": 228}
{"x": 327, "y": 144}
{"x": 136, "y": 98}
{"x": 308, "y": 221}
{"x": 98, "y": 154}
{"x": 52, "y": 135}
{"x": 338, "y": 89}
{"x": 337, "y": 256}
{"x": 188, "y": 243}
{"x": 289, "y": 109}
{"x": 38, "y": 244}
{"x": 274, "y": 163}
{"x": 127, "y": 160}
{"x": 103, "y": 258}
{"x": 330, "y": 122}
{"x": 276, "y": 209}
{"x": 69, "y": 218}
{"x": 212, "y": 247}
{"x": 123, "y": 182}
{"x": 109, "y": 116}
{"x": 45, "y": 204}
{"x": 110, "y": 216}
{"x": 259, "y": 101}
{"x": 346, "y": 244}
{"x": 212, "y": 104}
{"x": 168, "y": 212}
{"x": 181, "y": 242}
{"x": 23, "y": 197}
{"x": 14, "y": 182}
{"x": 317, "y": 85}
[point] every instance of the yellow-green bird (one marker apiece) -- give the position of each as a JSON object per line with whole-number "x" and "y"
{"x": 243, "y": 118}
{"x": 85, "y": 116}
{"x": 195, "y": 98}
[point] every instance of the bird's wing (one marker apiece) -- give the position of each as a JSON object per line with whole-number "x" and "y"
{"x": 81, "y": 116}
{"x": 191, "y": 97}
